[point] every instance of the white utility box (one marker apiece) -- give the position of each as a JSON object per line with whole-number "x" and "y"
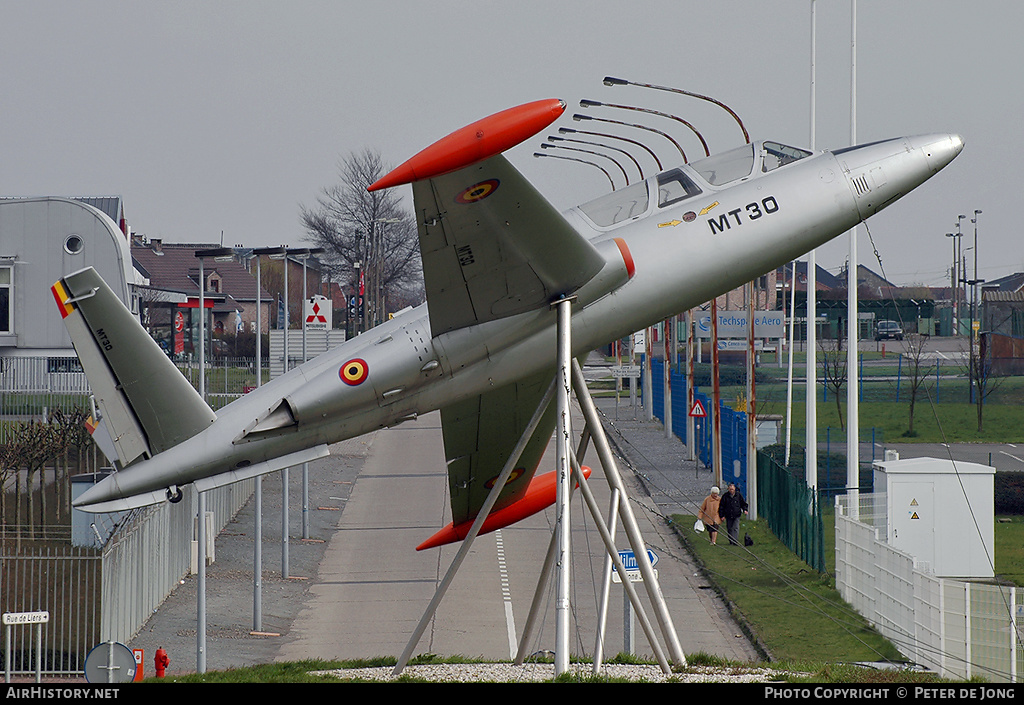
{"x": 941, "y": 512}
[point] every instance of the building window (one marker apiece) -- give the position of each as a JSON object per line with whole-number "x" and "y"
{"x": 73, "y": 244}
{"x": 6, "y": 299}
{"x": 63, "y": 365}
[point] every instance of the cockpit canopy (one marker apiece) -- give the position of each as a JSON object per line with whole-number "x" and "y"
{"x": 679, "y": 184}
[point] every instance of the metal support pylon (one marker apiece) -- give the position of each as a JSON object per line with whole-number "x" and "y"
{"x": 568, "y": 377}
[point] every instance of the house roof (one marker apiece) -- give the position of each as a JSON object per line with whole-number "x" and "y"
{"x": 174, "y": 266}
{"x": 1009, "y": 283}
{"x": 823, "y": 279}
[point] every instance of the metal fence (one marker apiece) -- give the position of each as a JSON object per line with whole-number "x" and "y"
{"x": 959, "y": 629}
{"x": 96, "y": 595}
{"x": 99, "y": 595}
{"x": 61, "y": 580}
{"x": 153, "y": 550}
{"x": 227, "y": 378}
{"x": 792, "y": 510}
{"x": 30, "y": 387}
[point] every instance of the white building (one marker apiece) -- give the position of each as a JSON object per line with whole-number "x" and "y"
{"x": 41, "y": 240}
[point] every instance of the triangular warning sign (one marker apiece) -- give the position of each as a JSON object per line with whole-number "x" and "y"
{"x": 914, "y": 516}
{"x": 697, "y": 409}
{"x": 913, "y": 503}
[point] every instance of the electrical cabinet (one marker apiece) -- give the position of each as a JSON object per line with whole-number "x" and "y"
{"x": 940, "y": 512}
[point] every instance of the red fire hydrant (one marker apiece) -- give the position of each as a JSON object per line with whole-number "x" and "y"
{"x": 161, "y": 662}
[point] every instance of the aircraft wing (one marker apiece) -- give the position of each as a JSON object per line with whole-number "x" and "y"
{"x": 480, "y": 434}
{"x": 493, "y": 246}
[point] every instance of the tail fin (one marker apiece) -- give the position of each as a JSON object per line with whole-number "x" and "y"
{"x": 147, "y": 405}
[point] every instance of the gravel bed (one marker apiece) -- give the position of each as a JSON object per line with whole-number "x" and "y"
{"x": 509, "y": 673}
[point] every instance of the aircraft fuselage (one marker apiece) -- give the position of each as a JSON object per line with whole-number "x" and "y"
{"x": 675, "y": 258}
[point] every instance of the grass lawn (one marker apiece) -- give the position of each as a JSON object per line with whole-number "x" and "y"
{"x": 1010, "y": 549}
{"x": 795, "y": 612}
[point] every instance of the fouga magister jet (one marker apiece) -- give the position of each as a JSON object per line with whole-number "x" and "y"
{"x": 482, "y": 350}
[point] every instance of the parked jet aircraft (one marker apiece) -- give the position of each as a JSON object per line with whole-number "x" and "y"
{"x": 482, "y": 349}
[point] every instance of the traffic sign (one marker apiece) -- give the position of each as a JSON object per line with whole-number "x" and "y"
{"x": 631, "y": 566}
{"x": 698, "y": 409}
{"x": 110, "y": 662}
{"x": 628, "y": 559}
{"x": 26, "y": 617}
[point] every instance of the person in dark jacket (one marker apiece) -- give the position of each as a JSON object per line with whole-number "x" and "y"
{"x": 730, "y": 508}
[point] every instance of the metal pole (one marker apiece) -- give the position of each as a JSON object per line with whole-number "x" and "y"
{"x": 305, "y": 358}
{"x": 716, "y": 403}
{"x": 853, "y": 375}
{"x": 751, "y": 406}
{"x": 630, "y": 590}
{"x": 792, "y": 344}
{"x": 811, "y": 437}
{"x": 628, "y": 518}
{"x": 606, "y": 583}
{"x": 691, "y": 431}
{"x": 287, "y": 314}
{"x": 285, "y": 570}
{"x": 563, "y": 610}
{"x": 257, "y": 551}
{"x": 202, "y": 331}
{"x": 201, "y": 596}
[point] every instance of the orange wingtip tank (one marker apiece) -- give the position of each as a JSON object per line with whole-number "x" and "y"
{"x": 539, "y": 495}
{"x": 473, "y": 143}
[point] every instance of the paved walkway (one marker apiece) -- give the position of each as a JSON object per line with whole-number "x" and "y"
{"x": 348, "y": 596}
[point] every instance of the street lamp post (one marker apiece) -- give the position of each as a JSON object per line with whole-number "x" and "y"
{"x": 588, "y": 151}
{"x": 220, "y": 254}
{"x": 974, "y": 294}
{"x": 257, "y": 557}
{"x": 961, "y": 277}
{"x": 581, "y": 161}
{"x": 954, "y": 284}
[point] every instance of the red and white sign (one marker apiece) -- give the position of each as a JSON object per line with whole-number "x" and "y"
{"x": 698, "y": 409}
{"x": 318, "y": 313}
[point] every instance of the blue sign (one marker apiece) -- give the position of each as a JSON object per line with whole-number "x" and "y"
{"x": 628, "y": 559}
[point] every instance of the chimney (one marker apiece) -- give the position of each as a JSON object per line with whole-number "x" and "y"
{"x": 157, "y": 244}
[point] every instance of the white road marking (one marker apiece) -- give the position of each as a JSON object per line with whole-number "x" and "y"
{"x": 506, "y": 595}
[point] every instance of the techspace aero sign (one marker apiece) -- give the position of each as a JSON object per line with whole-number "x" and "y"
{"x": 733, "y": 324}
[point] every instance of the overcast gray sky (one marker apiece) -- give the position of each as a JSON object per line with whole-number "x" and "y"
{"x": 212, "y": 117}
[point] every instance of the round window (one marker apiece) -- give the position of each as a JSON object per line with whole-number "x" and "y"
{"x": 73, "y": 244}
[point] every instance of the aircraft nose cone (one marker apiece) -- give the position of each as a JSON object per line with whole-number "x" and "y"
{"x": 938, "y": 149}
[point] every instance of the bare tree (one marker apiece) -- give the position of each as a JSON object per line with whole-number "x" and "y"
{"x": 918, "y": 371}
{"x": 979, "y": 372}
{"x": 833, "y": 368}
{"x": 366, "y": 233}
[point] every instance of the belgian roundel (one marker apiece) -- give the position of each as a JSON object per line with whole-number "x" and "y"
{"x": 478, "y": 192}
{"x": 515, "y": 475}
{"x": 354, "y": 372}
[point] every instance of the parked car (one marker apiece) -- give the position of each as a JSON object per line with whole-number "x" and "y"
{"x": 888, "y": 330}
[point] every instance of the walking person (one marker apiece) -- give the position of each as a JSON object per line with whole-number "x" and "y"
{"x": 709, "y": 514}
{"x": 731, "y": 507}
